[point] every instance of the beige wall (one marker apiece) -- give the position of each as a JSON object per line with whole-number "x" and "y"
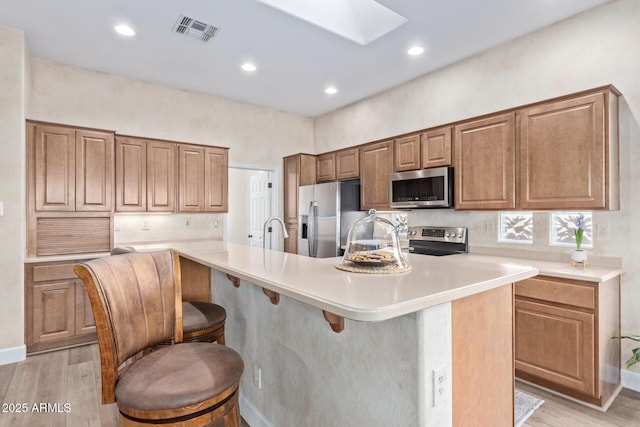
{"x": 42, "y": 90}
{"x": 256, "y": 135}
{"x": 593, "y": 49}
{"x": 12, "y": 135}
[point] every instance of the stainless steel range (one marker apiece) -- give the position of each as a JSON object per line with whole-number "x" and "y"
{"x": 438, "y": 241}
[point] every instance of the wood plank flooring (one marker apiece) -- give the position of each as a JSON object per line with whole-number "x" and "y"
{"x": 72, "y": 377}
{"x": 559, "y": 412}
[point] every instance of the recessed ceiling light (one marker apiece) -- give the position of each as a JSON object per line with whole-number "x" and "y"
{"x": 248, "y": 67}
{"x": 415, "y": 50}
{"x": 330, "y": 90}
{"x": 125, "y": 30}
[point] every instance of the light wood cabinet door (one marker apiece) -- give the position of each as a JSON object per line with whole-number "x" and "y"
{"x": 131, "y": 175}
{"x": 72, "y": 169}
{"x": 291, "y": 244}
{"x": 564, "y": 154}
{"x": 376, "y": 161}
{"x": 54, "y": 167}
{"x": 85, "y": 324}
{"x": 326, "y": 167}
{"x": 161, "y": 176}
{"x": 216, "y": 176}
{"x": 291, "y": 170}
{"x": 53, "y": 311}
{"x": 299, "y": 169}
{"x": 436, "y": 147}
{"x": 348, "y": 164}
{"x": 191, "y": 161}
{"x": 407, "y": 153}
{"x": 94, "y": 171}
{"x": 57, "y": 308}
{"x": 202, "y": 178}
{"x": 485, "y": 163}
{"x": 145, "y": 175}
{"x": 556, "y": 344}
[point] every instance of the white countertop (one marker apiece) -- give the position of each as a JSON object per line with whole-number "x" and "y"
{"x": 368, "y": 297}
{"x": 356, "y": 296}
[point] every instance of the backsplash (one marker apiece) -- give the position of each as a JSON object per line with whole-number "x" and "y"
{"x": 131, "y": 228}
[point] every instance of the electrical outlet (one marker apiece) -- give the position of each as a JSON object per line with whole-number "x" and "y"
{"x": 116, "y": 226}
{"x": 257, "y": 376}
{"x": 604, "y": 231}
{"x": 215, "y": 223}
{"x": 439, "y": 386}
{"x": 490, "y": 227}
{"x": 187, "y": 223}
{"x": 145, "y": 225}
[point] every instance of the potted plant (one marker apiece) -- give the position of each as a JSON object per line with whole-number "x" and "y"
{"x": 579, "y": 255}
{"x": 636, "y": 351}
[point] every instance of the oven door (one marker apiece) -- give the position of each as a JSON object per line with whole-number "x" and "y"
{"x": 425, "y": 188}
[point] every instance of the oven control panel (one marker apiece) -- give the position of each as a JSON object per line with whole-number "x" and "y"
{"x": 438, "y": 234}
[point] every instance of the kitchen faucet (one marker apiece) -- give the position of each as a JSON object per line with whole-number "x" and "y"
{"x": 285, "y": 235}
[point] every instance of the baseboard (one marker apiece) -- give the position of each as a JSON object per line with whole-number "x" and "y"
{"x": 630, "y": 380}
{"x": 13, "y": 354}
{"x": 251, "y": 415}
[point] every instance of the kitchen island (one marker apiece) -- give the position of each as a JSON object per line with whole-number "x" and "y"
{"x": 432, "y": 347}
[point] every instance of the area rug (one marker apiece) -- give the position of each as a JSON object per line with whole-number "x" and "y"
{"x": 525, "y": 406}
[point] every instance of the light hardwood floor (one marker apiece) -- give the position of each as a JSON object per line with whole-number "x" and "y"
{"x": 72, "y": 377}
{"x": 559, "y": 412}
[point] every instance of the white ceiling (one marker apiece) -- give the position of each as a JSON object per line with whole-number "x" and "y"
{"x": 296, "y": 60}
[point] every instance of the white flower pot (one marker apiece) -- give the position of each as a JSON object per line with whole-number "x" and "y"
{"x": 579, "y": 257}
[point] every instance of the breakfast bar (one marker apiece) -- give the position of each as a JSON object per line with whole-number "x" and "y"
{"x": 416, "y": 349}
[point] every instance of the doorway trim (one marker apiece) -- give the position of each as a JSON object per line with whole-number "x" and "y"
{"x": 275, "y": 192}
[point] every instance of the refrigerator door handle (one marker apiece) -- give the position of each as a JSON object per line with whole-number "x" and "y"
{"x": 313, "y": 229}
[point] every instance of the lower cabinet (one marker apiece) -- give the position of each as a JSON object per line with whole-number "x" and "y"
{"x": 58, "y": 312}
{"x": 563, "y": 331}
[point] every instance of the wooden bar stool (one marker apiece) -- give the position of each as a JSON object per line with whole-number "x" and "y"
{"x": 201, "y": 321}
{"x": 136, "y": 302}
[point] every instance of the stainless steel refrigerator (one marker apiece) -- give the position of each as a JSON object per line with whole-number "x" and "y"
{"x": 326, "y": 213}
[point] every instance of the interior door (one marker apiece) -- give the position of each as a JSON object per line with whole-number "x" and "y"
{"x": 259, "y": 208}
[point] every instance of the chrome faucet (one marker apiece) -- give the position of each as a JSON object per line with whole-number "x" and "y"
{"x": 285, "y": 235}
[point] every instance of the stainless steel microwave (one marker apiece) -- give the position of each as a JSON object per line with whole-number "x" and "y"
{"x": 424, "y": 188}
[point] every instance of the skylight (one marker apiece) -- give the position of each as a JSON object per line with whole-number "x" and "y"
{"x": 361, "y": 21}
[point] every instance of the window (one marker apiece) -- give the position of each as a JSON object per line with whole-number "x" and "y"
{"x": 562, "y": 229}
{"x": 516, "y": 227}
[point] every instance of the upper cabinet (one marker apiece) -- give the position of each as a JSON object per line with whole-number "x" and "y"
{"x": 376, "y": 163}
{"x": 436, "y": 147}
{"x": 407, "y": 153}
{"x": 348, "y": 164}
{"x": 556, "y": 154}
{"x": 145, "y": 175}
{"x": 326, "y": 167}
{"x": 70, "y": 188}
{"x": 568, "y": 156}
{"x": 484, "y": 164}
{"x": 71, "y": 169}
{"x": 566, "y": 151}
{"x": 202, "y": 178}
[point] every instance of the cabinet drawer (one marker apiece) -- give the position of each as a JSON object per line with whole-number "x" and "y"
{"x": 560, "y": 291}
{"x": 44, "y": 273}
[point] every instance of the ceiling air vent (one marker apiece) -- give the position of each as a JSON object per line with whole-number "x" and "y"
{"x": 194, "y": 28}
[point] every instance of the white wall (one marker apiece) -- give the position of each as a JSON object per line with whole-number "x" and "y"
{"x": 593, "y": 49}
{"x": 13, "y": 57}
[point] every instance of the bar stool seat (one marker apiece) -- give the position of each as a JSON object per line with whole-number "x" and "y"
{"x": 203, "y": 322}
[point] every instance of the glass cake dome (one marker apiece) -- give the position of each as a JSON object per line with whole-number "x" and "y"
{"x": 373, "y": 244}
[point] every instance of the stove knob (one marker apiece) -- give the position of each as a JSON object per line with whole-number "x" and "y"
{"x": 459, "y": 235}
